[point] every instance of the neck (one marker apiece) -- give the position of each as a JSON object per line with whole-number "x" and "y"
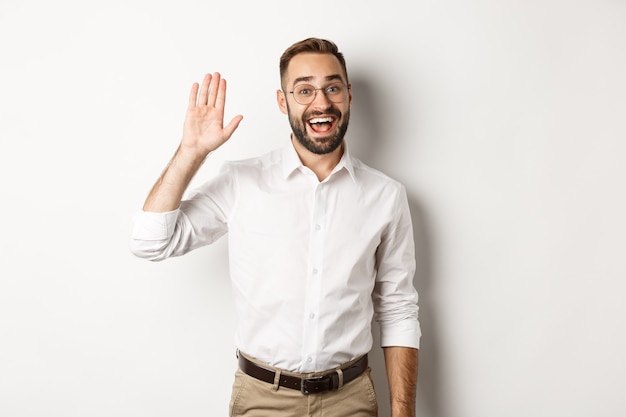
{"x": 321, "y": 165}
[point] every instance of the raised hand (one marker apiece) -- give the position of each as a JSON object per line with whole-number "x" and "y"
{"x": 204, "y": 130}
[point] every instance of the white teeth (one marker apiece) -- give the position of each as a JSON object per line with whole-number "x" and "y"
{"x": 321, "y": 120}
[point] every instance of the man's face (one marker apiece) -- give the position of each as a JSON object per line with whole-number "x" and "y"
{"x": 320, "y": 125}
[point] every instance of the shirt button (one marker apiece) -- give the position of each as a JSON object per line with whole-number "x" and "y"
{"x": 312, "y": 316}
{"x": 309, "y": 359}
{"x": 318, "y": 227}
{"x": 314, "y": 270}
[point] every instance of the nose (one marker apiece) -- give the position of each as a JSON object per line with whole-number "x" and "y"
{"x": 320, "y": 99}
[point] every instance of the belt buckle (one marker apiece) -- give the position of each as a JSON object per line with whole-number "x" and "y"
{"x": 303, "y": 384}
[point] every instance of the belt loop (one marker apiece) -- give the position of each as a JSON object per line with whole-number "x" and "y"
{"x": 340, "y": 374}
{"x": 276, "y": 380}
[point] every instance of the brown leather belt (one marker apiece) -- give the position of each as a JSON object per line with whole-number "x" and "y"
{"x": 307, "y": 386}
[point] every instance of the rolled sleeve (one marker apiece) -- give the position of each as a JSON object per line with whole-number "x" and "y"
{"x": 406, "y": 333}
{"x": 154, "y": 226}
{"x": 151, "y": 234}
{"x": 200, "y": 220}
{"x": 395, "y": 297}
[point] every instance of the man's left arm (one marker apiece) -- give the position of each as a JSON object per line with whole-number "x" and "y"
{"x": 402, "y": 363}
{"x": 395, "y": 308}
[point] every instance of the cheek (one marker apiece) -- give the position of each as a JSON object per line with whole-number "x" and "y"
{"x": 296, "y": 117}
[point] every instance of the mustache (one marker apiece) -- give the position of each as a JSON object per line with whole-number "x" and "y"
{"x": 315, "y": 113}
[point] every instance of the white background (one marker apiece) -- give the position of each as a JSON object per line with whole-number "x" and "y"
{"x": 504, "y": 119}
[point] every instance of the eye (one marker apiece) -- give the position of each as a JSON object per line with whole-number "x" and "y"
{"x": 334, "y": 89}
{"x": 304, "y": 90}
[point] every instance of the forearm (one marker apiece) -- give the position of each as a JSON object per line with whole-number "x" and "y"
{"x": 167, "y": 192}
{"x": 402, "y": 365}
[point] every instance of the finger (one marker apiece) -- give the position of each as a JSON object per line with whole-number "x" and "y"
{"x": 213, "y": 88}
{"x": 220, "y": 100}
{"x": 202, "y": 97}
{"x": 193, "y": 94}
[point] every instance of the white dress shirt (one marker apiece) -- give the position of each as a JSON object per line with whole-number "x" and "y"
{"x": 310, "y": 262}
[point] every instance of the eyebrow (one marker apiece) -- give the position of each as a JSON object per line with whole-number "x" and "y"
{"x": 310, "y": 78}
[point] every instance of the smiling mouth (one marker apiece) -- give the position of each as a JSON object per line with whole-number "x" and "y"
{"x": 321, "y": 124}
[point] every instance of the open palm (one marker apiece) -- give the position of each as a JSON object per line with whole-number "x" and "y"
{"x": 204, "y": 129}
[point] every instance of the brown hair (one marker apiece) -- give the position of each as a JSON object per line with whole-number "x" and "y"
{"x": 314, "y": 45}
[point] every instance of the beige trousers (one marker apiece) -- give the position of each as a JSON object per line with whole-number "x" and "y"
{"x": 254, "y": 398}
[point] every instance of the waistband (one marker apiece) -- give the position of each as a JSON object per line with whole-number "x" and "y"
{"x": 330, "y": 380}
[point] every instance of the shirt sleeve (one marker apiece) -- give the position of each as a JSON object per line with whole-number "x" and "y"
{"x": 395, "y": 297}
{"x": 200, "y": 220}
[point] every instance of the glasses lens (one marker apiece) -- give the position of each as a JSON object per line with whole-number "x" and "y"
{"x": 305, "y": 93}
{"x": 336, "y": 92}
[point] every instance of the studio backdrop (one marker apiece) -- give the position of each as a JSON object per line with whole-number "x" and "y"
{"x": 503, "y": 119}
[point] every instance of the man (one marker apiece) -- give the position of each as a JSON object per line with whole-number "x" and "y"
{"x": 319, "y": 243}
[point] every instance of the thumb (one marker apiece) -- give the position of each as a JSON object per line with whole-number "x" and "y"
{"x": 230, "y": 128}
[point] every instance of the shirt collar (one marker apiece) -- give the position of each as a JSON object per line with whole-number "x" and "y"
{"x": 291, "y": 161}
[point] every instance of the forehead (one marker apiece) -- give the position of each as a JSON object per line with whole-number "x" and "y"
{"x": 311, "y": 67}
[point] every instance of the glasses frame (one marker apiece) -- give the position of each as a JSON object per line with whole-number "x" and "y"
{"x": 323, "y": 89}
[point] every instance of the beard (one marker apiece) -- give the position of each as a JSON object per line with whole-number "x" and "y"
{"x": 322, "y": 145}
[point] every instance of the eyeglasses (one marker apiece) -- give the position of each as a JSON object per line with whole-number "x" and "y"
{"x": 305, "y": 93}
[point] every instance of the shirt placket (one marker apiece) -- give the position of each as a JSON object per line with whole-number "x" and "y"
{"x": 315, "y": 275}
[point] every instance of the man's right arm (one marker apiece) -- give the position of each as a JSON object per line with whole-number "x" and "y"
{"x": 203, "y": 132}
{"x": 160, "y": 230}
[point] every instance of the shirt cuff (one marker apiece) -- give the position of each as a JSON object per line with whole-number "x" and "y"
{"x": 154, "y": 226}
{"x": 406, "y": 333}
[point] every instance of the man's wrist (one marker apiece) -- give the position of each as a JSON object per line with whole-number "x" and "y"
{"x": 402, "y": 409}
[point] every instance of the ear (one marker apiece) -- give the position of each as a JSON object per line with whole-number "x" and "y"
{"x": 350, "y": 94}
{"x": 282, "y": 101}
